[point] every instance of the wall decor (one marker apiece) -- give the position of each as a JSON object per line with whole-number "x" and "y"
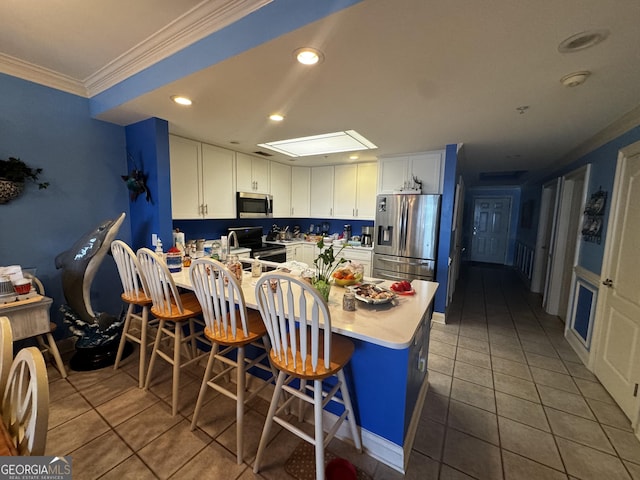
{"x": 13, "y": 175}
{"x": 136, "y": 182}
{"x": 594, "y": 217}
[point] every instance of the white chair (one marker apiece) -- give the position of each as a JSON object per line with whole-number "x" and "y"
{"x": 302, "y": 347}
{"x": 229, "y": 326}
{"x": 6, "y": 351}
{"x": 25, "y": 403}
{"x": 172, "y": 309}
{"x": 50, "y": 347}
{"x": 135, "y": 293}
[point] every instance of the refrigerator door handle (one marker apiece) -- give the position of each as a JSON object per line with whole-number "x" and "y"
{"x": 406, "y": 262}
{"x": 403, "y": 226}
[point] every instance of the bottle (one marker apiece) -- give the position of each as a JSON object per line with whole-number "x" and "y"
{"x": 235, "y": 267}
{"x": 159, "y": 247}
{"x": 256, "y": 268}
{"x": 349, "y": 302}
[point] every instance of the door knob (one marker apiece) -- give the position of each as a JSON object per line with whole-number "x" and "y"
{"x": 608, "y": 283}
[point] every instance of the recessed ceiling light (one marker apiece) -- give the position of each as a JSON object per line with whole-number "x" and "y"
{"x": 276, "y": 117}
{"x": 336, "y": 142}
{"x": 522, "y": 109}
{"x": 180, "y": 100}
{"x": 308, "y": 56}
{"x": 583, "y": 40}
{"x": 574, "y": 79}
{"x": 353, "y": 157}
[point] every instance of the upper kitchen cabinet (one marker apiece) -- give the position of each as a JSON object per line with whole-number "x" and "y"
{"x": 354, "y": 194}
{"x": 321, "y": 205}
{"x": 280, "y": 181}
{"x": 252, "y": 174}
{"x": 300, "y": 192}
{"x": 202, "y": 179}
{"x": 397, "y": 173}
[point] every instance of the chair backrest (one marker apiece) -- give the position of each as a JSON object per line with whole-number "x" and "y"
{"x": 25, "y": 403}
{"x": 133, "y": 283}
{"x": 162, "y": 289}
{"x": 218, "y": 292}
{"x": 283, "y": 301}
{"x": 6, "y": 350}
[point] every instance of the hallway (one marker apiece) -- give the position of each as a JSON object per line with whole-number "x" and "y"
{"x": 509, "y": 398}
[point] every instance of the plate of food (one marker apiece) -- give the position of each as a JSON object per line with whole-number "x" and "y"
{"x": 402, "y": 288}
{"x": 373, "y": 294}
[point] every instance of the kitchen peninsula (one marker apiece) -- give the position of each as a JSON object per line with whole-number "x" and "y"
{"x": 387, "y": 373}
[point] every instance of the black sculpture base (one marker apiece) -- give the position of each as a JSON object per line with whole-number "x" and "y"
{"x": 94, "y": 358}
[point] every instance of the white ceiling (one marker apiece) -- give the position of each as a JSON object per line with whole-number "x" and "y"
{"x": 410, "y": 75}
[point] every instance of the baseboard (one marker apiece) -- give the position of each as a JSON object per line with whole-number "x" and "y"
{"x": 577, "y": 346}
{"x": 438, "y": 317}
{"x": 415, "y": 420}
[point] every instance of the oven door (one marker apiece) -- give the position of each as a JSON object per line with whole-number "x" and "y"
{"x": 277, "y": 255}
{"x": 254, "y": 205}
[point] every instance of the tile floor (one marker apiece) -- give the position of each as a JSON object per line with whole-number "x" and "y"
{"x": 508, "y": 398}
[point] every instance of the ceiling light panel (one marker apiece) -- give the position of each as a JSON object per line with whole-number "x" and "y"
{"x": 347, "y": 141}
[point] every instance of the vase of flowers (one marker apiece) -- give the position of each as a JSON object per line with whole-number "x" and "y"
{"x": 325, "y": 264}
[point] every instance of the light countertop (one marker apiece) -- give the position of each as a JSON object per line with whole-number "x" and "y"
{"x": 300, "y": 241}
{"x": 392, "y": 325}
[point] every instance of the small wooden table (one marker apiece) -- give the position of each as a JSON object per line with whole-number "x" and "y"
{"x": 30, "y": 318}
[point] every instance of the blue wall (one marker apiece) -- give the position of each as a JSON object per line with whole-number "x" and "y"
{"x": 82, "y": 159}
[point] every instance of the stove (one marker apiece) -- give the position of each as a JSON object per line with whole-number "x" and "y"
{"x": 251, "y": 237}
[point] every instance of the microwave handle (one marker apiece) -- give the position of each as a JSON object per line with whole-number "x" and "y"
{"x": 268, "y": 202}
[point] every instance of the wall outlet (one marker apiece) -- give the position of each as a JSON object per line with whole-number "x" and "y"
{"x": 154, "y": 239}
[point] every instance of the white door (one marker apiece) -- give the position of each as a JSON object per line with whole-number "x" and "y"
{"x": 543, "y": 240}
{"x": 617, "y": 358}
{"x": 490, "y": 229}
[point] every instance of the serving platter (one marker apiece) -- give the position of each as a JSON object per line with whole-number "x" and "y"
{"x": 372, "y": 294}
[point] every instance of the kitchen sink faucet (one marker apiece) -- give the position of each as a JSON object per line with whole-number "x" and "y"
{"x": 233, "y": 235}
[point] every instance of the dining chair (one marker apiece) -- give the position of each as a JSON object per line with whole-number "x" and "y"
{"x": 230, "y": 327}
{"x": 172, "y": 309}
{"x": 303, "y": 347}
{"x": 6, "y": 350}
{"x": 25, "y": 402}
{"x": 46, "y": 341}
{"x": 135, "y": 294}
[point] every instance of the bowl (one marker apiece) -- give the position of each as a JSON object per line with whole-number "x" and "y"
{"x": 344, "y": 282}
{"x": 22, "y": 286}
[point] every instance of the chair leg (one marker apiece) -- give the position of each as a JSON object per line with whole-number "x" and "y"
{"x": 301, "y": 403}
{"x": 203, "y": 387}
{"x": 176, "y": 368}
{"x": 53, "y": 349}
{"x": 240, "y": 403}
{"x": 269, "y": 420}
{"x": 154, "y": 354}
{"x": 143, "y": 346}
{"x": 317, "y": 427}
{"x": 123, "y": 337}
{"x": 346, "y": 398}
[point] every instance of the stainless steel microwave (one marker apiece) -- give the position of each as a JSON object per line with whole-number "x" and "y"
{"x": 254, "y": 205}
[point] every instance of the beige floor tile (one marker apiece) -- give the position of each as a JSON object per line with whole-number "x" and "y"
{"x": 633, "y": 469}
{"x": 513, "y": 353}
{"x": 579, "y": 430}
{"x": 523, "y": 411}
{"x": 132, "y": 467}
{"x": 173, "y": 449}
{"x": 443, "y": 337}
{"x": 578, "y": 370}
{"x": 146, "y": 426}
{"x": 474, "y": 421}
{"x": 253, "y": 425}
{"x": 429, "y": 439}
{"x": 508, "y": 367}
{"x": 589, "y": 464}
{"x": 439, "y": 383}
{"x": 565, "y": 401}
{"x": 548, "y": 363}
{"x": 473, "y": 357}
{"x": 436, "y": 407}
{"x": 276, "y": 454}
{"x": 441, "y": 348}
{"x": 67, "y": 408}
{"x": 517, "y": 467}
{"x": 529, "y": 442}
{"x": 99, "y": 456}
{"x": 109, "y": 388}
{"x": 419, "y": 468}
{"x": 438, "y": 363}
{"x": 212, "y": 462}
{"x": 609, "y": 414}
{"x": 449, "y": 473}
{"x": 65, "y": 438}
{"x": 473, "y": 344}
{"x": 82, "y": 380}
{"x": 126, "y": 405}
{"x": 554, "y": 379}
{"x": 472, "y": 456}
{"x": 515, "y": 386}
{"x": 593, "y": 390}
{"x": 473, "y": 373}
{"x": 478, "y": 332}
{"x": 473, "y": 394}
{"x": 216, "y": 415}
{"x": 625, "y": 443}
{"x": 60, "y": 389}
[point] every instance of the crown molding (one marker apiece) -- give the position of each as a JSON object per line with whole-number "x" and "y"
{"x": 43, "y": 76}
{"x": 199, "y": 22}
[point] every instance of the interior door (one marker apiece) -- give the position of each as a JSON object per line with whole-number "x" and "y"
{"x": 617, "y": 359}
{"x": 490, "y": 229}
{"x": 543, "y": 240}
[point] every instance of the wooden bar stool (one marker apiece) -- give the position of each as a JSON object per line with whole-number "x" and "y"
{"x": 135, "y": 294}
{"x": 173, "y": 310}
{"x": 302, "y": 347}
{"x": 229, "y": 326}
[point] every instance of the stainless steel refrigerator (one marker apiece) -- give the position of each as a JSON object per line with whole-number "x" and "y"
{"x": 406, "y": 236}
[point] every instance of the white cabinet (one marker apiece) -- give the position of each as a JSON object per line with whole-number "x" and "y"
{"x": 354, "y": 193}
{"x": 321, "y": 192}
{"x": 280, "y": 182}
{"x": 202, "y": 179}
{"x": 309, "y": 253}
{"x": 252, "y": 174}
{"x": 300, "y": 192}
{"x": 397, "y": 173}
{"x": 357, "y": 255}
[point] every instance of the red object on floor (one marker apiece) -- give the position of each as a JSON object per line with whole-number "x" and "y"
{"x": 340, "y": 469}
